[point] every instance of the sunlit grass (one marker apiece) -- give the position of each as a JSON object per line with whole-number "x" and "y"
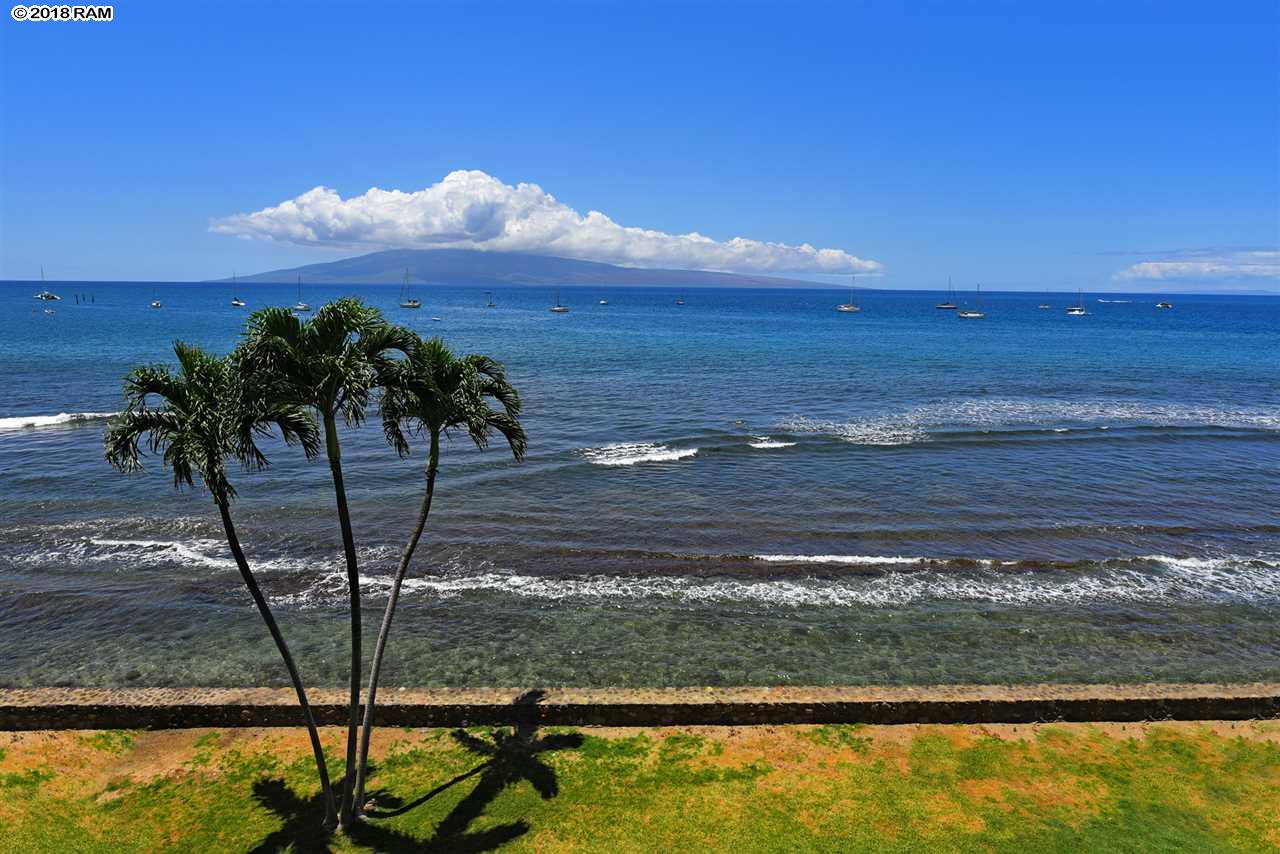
{"x": 1064, "y": 788}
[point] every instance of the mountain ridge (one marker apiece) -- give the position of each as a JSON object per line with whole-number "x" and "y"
{"x": 475, "y": 267}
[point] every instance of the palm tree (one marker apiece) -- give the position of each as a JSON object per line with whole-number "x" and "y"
{"x": 331, "y": 364}
{"x": 435, "y": 392}
{"x": 201, "y": 422}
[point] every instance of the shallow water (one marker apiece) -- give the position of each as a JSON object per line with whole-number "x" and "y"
{"x": 749, "y": 488}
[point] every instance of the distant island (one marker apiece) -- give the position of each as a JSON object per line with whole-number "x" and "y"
{"x": 473, "y": 267}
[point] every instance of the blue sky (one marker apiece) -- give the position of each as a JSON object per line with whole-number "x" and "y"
{"x": 1023, "y": 145}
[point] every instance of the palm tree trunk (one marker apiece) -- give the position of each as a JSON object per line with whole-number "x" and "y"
{"x": 330, "y": 812}
{"x": 334, "y": 452}
{"x": 376, "y": 667}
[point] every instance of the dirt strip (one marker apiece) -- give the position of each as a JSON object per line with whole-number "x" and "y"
{"x": 176, "y": 708}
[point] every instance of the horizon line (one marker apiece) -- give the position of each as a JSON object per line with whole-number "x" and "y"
{"x": 817, "y": 286}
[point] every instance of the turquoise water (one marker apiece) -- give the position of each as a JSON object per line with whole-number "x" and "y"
{"x": 748, "y": 488}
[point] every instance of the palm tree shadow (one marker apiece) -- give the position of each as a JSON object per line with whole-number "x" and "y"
{"x": 509, "y": 758}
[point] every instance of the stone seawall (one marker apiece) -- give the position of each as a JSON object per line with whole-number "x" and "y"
{"x": 177, "y": 708}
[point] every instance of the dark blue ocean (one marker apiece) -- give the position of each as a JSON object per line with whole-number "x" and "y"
{"x": 750, "y": 488}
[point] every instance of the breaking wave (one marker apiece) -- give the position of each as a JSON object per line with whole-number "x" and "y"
{"x": 1149, "y": 579}
{"x": 631, "y": 453}
{"x": 937, "y": 420}
{"x": 768, "y": 443}
{"x": 31, "y": 422}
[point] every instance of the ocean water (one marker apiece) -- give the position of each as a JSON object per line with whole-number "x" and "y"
{"x": 747, "y": 489}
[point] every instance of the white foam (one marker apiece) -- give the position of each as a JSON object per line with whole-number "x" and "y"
{"x": 1152, "y": 579}
{"x": 214, "y": 554}
{"x": 30, "y": 422}
{"x": 630, "y": 453}
{"x": 768, "y": 442}
{"x": 990, "y": 414}
{"x": 871, "y": 432}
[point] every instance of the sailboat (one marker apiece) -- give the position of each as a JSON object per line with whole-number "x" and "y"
{"x": 155, "y": 300}
{"x": 604, "y": 302}
{"x": 300, "y": 305}
{"x": 1077, "y": 310}
{"x": 850, "y": 306}
{"x": 558, "y": 308}
{"x": 491, "y": 303}
{"x": 680, "y": 300}
{"x": 976, "y": 312}
{"x": 407, "y": 301}
{"x": 1164, "y": 305}
{"x": 950, "y": 304}
{"x": 235, "y": 300}
{"x": 44, "y": 294}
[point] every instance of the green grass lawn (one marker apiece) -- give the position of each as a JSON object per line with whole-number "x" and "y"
{"x": 1184, "y": 787}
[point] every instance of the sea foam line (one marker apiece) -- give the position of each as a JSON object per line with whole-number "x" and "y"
{"x": 919, "y": 423}
{"x": 1165, "y": 579}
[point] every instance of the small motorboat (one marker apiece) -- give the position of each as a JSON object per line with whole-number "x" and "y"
{"x": 604, "y": 302}
{"x": 1043, "y": 305}
{"x": 155, "y": 303}
{"x": 435, "y": 319}
{"x": 679, "y": 300}
{"x": 1164, "y": 305}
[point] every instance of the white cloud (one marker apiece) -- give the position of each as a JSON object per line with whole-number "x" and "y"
{"x": 474, "y": 210}
{"x": 1207, "y": 264}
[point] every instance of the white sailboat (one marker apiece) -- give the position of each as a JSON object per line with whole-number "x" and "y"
{"x": 850, "y": 306}
{"x": 235, "y": 300}
{"x": 950, "y": 303}
{"x": 1077, "y": 310}
{"x": 604, "y": 302}
{"x": 1163, "y": 304}
{"x": 45, "y": 294}
{"x": 558, "y": 308}
{"x": 490, "y": 303}
{"x": 300, "y": 305}
{"x": 407, "y": 301}
{"x": 975, "y": 313}
{"x": 155, "y": 300}
{"x": 680, "y": 300}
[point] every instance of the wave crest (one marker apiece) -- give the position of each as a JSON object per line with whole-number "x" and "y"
{"x": 31, "y": 422}
{"x": 630, "y": 453}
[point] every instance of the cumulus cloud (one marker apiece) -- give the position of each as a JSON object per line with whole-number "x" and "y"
{"x": 474, "y": 210}
{"x": 1200, "y": 264}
